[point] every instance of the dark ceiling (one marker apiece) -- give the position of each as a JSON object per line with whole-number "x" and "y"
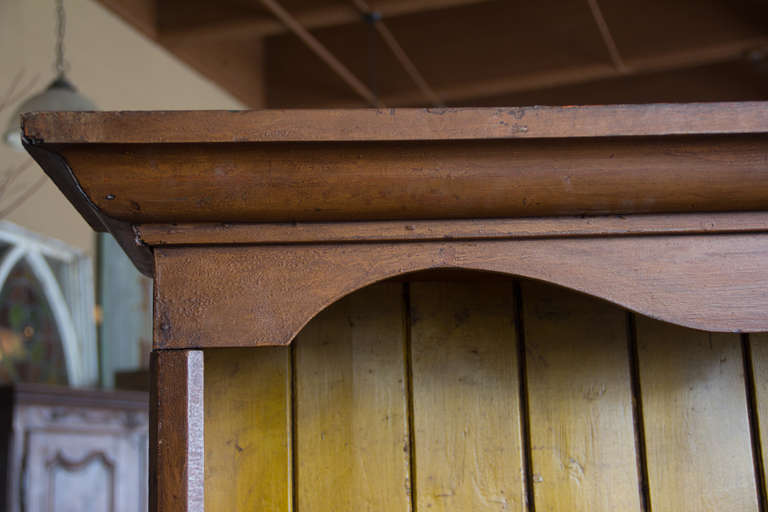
{"x": 469, "y": 52}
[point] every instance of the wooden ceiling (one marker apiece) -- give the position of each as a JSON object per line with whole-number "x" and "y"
{"x": 469, "y": 52}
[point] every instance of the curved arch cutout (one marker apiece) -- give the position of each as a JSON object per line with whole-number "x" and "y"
{"x": 264, "y": 295}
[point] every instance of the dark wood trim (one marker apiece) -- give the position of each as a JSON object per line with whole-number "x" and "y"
{"x": 468, "y": 179}
{"x": 61, "y": 174}
{"x": 394, "y": 124}
{"x": 176, "y": 481}
{"x": 665, "y": 183}
{"x": 274, "y": 290}
{"x": 475, "y": 229}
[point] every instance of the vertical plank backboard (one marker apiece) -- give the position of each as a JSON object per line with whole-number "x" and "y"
{"x": 248, "y": 429}
{"x": 696, "y": 422}
{"x": 351, "y": 419}
{"x": 583, "y": 448}
{"x": 467, "y": 434}
{"x": 758, "y": 346}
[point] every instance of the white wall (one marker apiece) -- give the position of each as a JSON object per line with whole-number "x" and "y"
{"x": 112, "y": 64}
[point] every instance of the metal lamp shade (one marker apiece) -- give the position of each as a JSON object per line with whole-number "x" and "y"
{"x": 59, "y": 95}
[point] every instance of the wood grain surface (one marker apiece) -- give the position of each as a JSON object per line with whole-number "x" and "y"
{"x": 474, "y": 229}
{"x": 696, "y": 422}
{"x": 248, "y": 452}
{"x": 467, "y": 433}
{"x": 176, "y": 459}
{"x": 274, "y": 291}
{"x": 757, "y": 344}
{"x": 346, "y": 181}
{"x": 342, "y": 434}
{"x": 580, "y": 401}
{"x": 352, "y": 441}
{"x": 341, "y": 200}
{"x": 394, "y": 124}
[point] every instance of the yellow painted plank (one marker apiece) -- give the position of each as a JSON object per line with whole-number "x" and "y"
{"x": 696, "y": 421}
{"x": 583, "y": 444}
{"x": 758, "y": 344}
{"x": 351, "y": 421}
{"x": 467, "y": 434}
{"x": 247, "y": 429}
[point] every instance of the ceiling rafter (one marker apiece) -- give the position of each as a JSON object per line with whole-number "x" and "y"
{"x": 515, "y": 83}
{"x": 605, "y": 32}
{"x": 311, "y": 19}
{"x": 461, "y": 52}
{"x": 375, "y": 18}
{"x": 322, "y": 52}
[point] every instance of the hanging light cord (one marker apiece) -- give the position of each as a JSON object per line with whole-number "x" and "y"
{"x": 61, "y": 26}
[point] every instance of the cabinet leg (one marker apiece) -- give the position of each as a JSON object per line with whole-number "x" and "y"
{"x": 176, "y": 447}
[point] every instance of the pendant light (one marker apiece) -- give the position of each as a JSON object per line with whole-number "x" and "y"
{"x": 59, "y": 95}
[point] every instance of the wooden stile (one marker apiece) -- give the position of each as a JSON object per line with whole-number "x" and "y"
{"x": 176, "y": 431}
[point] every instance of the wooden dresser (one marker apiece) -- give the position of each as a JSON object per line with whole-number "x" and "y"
{"x": 69, "y": 450}
{"x": 490, "y": 309}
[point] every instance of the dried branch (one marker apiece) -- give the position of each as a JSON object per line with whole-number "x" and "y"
{"x": 14, "y": 93}
{"x": 34, "y": 187}
{"x": 10, "y": 175}
{"x": 17, "y": 89}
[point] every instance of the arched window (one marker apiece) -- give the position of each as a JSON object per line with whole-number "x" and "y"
{"x": 47, "y": 333}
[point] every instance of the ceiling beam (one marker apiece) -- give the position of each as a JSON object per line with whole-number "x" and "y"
{"x": 735, "y": 80}
{"x": 515, "y": 83}
{"x": 464, "y": 49}
{"x": 234, "y": 63}
{"x": 330, "y": 16}
{"x": 141, "y": 14}
{"x": 322, "y": 52}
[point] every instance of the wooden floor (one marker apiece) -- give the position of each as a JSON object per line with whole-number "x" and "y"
{"x": 487, "y": 396}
